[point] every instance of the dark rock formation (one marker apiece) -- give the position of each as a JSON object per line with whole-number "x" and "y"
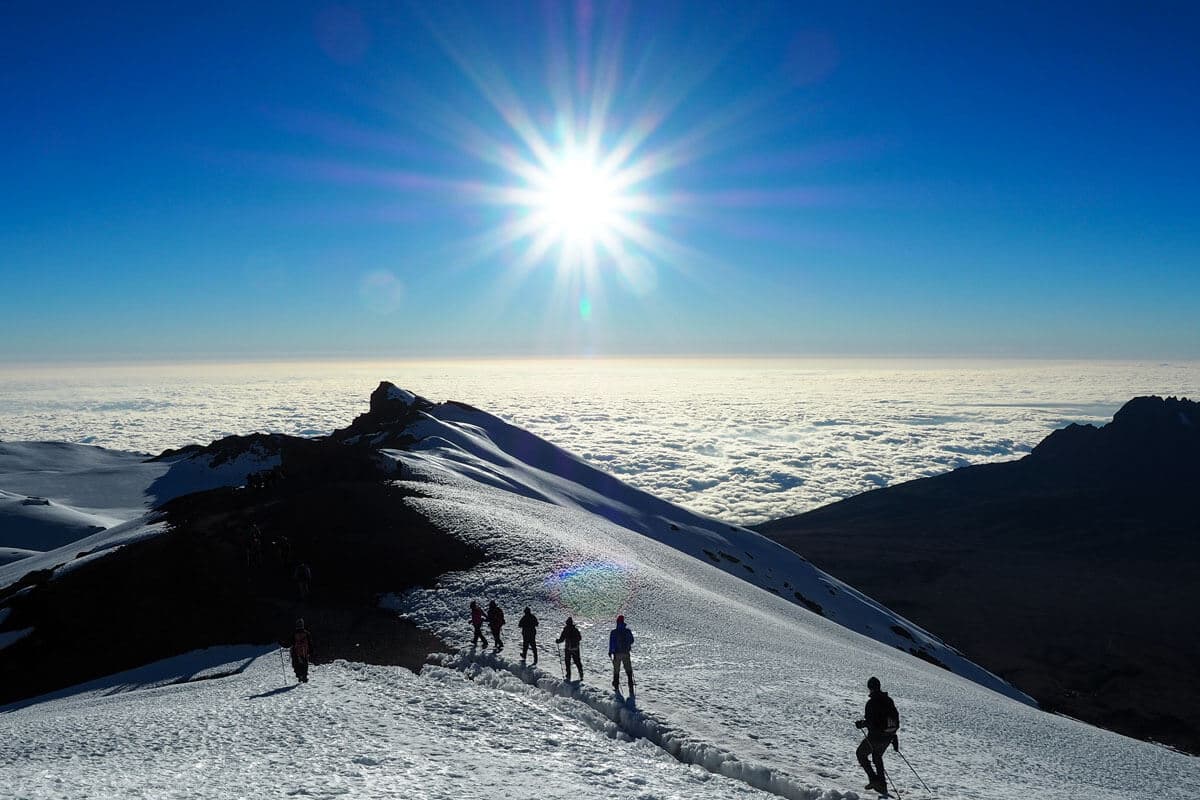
{"x": 200, "y": 584}
{"x": 392, "y": 410}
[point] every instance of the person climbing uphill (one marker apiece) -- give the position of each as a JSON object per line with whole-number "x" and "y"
{"x": 882, "y": 720}
{"x": 620, "y": 642}
{"x": 571, "y": 637}
{"x": 302, "y": 649}
{"x": 303, "y": 578}
{"x": 495, "y": 621}
{"x": 528, "y": 625}
{"x": 477, "y": 623}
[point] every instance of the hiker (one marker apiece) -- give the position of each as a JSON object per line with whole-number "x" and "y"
{"x": 620, "y": 642}
{"x": 284, "y": 546}
{"x": 528, "y": 625}
{"x": 495, "y": 622}
{"x": 882, "y": 720}
{"x": 303, "y": 577}
{"x": 301, "y": 647}
{"x": 477, "y": 623}
{"x": 254, "y": 548}
{"x": 571, "y": 636}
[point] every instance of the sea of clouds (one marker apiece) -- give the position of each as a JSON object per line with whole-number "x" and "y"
{"x": 745, "y": 441}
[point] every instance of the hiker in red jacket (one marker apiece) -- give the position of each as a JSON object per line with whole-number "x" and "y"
{"x": 477, "y": 622}
{"x": 302, "y": 649}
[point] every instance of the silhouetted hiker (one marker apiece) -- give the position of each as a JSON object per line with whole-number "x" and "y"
{"x": 477, "y": 622}
{"x": 284, "y": 545}
{"x": 302, "y": 648}
{"x": 882, "y": 720}
{"x": 254, "y": 548}
{"x": 528, "y": 625}
{"x": 571, "y": 636}
{"x": 495, "y": 623}
{"x": 303, "y": 577}
{"x": 620, "y": 642}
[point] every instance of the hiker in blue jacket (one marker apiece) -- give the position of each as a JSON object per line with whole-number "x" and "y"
{"x": 620, "y": 642}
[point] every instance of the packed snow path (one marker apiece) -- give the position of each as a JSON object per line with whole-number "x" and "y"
{"x": 354, "y": 730}
{"x": 627, "y": 720}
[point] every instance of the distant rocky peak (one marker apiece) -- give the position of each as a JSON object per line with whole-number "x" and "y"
{"x": 390, "y": 397}
{"x": 1160, "y": 415}
{"x": 392, "y": 409}
{"x": 1148, "y": 435}
{"x": 389, "y": 400}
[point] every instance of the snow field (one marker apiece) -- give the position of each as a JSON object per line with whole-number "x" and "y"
{"x": 754, "y": 686}
{"x": 59, "y": 501}
{"x": 74, "y": 554}
{"x": 353, "y": 730}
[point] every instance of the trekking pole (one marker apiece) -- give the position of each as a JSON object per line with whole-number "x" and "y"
{"x": 561, "y": 660}
{"x": 914, "y": 772}
{"x": 282, "y": 665}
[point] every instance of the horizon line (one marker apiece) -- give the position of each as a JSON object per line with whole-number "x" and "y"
{"x": 331, "y": 360}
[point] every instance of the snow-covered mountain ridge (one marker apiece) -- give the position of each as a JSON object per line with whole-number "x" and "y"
{"x": 460, "y": 440}
{"x": 742, "y": 692}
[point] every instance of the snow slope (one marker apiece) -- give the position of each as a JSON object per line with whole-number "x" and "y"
{"x": 741, "y": 692}
{"x": 738, "y": 680}
{"x": 57, "y": 497}
{"x": 37, "y": 523}
{"x": 74, "y": 553}
{"x": 354, "y": 730}
{"x": 459, "y": 440}
{"x": 110, "y": 483}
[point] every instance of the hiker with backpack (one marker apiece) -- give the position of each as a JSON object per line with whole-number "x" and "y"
{"x": 528, "y": 626}
{"x": 882, "y": 720}
{"x": 571, "y": 637}
{"x": 495, "y": 619}
{"x": 302, "y": 649}
{"x": 620, "y": 642}
{"x": 477, "y": 623}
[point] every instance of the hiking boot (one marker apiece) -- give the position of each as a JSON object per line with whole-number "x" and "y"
{"x": 879, "y": 786}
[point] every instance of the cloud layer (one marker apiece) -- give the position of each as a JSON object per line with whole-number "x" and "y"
{"x": 744, "y": 441}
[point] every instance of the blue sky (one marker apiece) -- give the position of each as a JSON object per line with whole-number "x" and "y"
{"x": 370, "y": 180}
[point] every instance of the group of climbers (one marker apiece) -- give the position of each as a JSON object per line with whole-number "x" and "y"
{"x": 620, "y": 640}
{"x": 881, "y": 719}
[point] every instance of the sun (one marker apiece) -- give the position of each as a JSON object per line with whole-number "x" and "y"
{"x": 576, "y": 201}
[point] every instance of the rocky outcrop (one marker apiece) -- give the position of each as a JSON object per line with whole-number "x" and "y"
{"x": 208, "y": 581}
{"x": 392, "y": 410}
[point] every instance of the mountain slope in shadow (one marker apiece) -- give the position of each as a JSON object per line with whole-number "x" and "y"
{"x": 1070, "y": 572}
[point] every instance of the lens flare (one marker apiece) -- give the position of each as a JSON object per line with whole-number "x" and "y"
{"x": 592, "y": 589}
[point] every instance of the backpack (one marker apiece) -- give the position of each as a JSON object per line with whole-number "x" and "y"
{"x": 300, "y": 644}
{"x": 893, "y": 718}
